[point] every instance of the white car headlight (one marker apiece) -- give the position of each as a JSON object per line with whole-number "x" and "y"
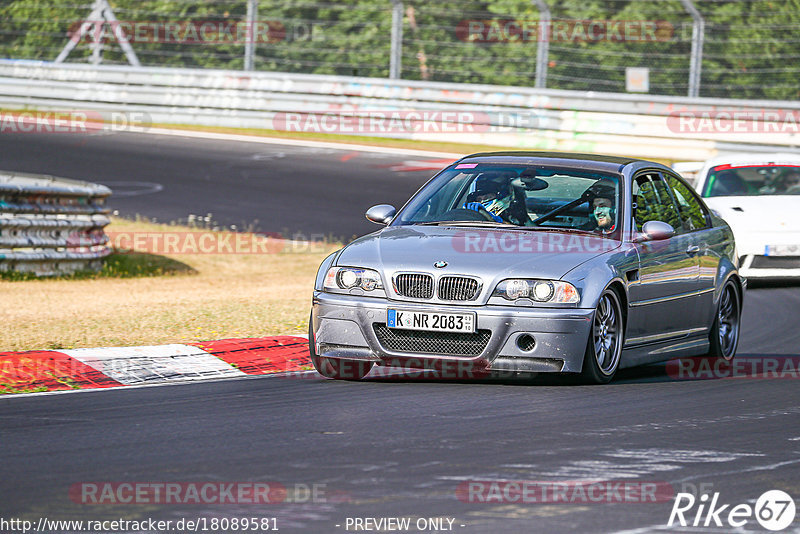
{"x": 554, "y": 291}
{"x": 351, "y": 278}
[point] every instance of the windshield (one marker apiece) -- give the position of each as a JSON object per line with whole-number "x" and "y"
{"x": 470, "y": 194}
{"x": 752, "y": 180}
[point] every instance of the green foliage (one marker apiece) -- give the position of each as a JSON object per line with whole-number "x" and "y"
{"x": 117, "y": 265}
{"x": 751, "y": 47}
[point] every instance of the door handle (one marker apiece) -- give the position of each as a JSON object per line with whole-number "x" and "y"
{"x": 692, "y": 250}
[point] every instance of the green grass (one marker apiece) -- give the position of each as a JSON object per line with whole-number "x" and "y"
{"x": 117, "y": 265}
{"x": 141, "y": 298}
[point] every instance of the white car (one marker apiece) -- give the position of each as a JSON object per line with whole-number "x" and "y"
{"x": 759, "y": 197}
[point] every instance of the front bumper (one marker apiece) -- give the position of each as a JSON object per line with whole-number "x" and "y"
{"x": 760, "y": 266}
{"x": 754, "y": 258}
{"x": 342, "y": 327}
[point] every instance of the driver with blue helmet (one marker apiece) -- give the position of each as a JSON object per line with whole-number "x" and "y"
{"x": 493, "y": 193}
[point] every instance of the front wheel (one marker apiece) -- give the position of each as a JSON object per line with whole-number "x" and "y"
{"x": 335, "y": 367}
{"x": 604, "y": 347}
{"x": 724, "y": 335}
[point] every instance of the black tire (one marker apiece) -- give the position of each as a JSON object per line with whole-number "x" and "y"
{"x": 336, "y": 368}
{"x": 604, "y": 346}
{"x": 724, "y": 336}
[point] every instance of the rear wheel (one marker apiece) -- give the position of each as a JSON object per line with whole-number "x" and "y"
{"x": 335, "y": 367}
{"x": 604, "y": 347}
{"x": 724, "y": 335}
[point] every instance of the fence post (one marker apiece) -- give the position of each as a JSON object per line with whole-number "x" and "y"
{"x": 543, "y": 46}
{"x": 396, "y": 58}
{"x": 250, "y": 40}
{"x": 698, "y": 35}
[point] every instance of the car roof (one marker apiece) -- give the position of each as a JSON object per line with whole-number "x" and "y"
{"x": 594, "y": 162}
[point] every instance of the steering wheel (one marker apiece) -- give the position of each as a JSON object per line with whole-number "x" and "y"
{"x": 464, "y": 214}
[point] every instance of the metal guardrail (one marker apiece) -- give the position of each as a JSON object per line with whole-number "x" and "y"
{"x": 637, "y": 125}
{"x": 51, "y": 226}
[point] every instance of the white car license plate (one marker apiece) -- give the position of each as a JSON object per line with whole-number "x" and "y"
{"x": 783, "y": 250}
{"x": 435, "y": 322}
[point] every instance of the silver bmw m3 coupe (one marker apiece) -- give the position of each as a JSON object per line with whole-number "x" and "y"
{"x": 528, "y": 262}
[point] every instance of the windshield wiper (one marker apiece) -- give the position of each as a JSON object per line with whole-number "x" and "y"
{"x": 491, "y": 224}
{"x": 559, "y": 229}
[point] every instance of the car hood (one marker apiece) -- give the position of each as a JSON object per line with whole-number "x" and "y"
{"x": 762, "y": 214}
{"x": 492, "y": 254}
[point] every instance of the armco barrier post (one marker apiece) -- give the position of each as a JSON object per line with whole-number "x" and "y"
{"x": 51, "y": 226}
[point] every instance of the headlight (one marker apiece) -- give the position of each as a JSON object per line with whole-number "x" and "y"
{"x": 553, "y": 291}
{"x": 351, "y": 278}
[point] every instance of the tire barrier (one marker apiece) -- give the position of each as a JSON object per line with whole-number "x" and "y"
{"x": 51, "y": 226}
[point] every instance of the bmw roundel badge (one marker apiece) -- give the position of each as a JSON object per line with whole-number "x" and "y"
{"x": 441, "y": 264}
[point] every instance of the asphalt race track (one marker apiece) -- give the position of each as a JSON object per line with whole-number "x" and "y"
{"x": 393, "y": 447}
{"x": 402, "y": 447}
{"x": 271, "y": 188}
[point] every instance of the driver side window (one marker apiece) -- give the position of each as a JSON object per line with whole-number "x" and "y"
{"x": 694, "y": 216}
{"x": 654, "y": 203}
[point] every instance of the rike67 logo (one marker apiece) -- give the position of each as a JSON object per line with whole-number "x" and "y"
{"x": 774, "y": 510}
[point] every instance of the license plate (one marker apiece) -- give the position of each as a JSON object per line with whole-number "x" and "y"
{"x": 435, "y": 322}
{"x": 782, "y": 250}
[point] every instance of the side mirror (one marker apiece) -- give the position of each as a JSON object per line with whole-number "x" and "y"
{"x": 657, "y": 231}
{"x": 381, "y": 214}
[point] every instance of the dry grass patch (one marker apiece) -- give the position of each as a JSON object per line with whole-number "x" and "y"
{"x": 173, "y": 298}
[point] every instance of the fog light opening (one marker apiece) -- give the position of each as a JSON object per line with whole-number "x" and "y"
{"x": 526, "y": 343}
